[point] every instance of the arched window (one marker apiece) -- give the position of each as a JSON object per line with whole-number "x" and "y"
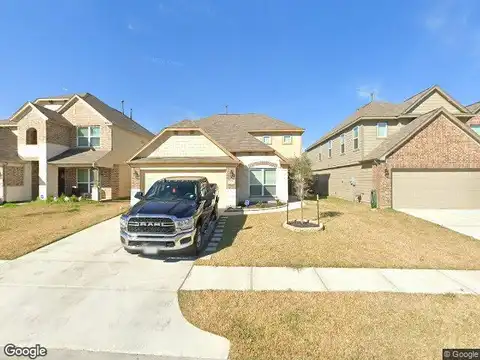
{"x": 32, "y": 136}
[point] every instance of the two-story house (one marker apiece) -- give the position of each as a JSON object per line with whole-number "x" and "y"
{"x": 421, "y": 153}
{"x": 246, "y": 155}
{"x": 73, "y": 144}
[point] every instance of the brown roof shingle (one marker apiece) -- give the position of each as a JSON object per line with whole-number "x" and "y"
{"x": 232, "y": 131}
{"x": 78, "y": 156}
{"x": 474, "y": 107}
{"x": 115, "y": 116}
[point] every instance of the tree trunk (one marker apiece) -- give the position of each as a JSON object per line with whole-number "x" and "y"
{"x": 301, "y": 203}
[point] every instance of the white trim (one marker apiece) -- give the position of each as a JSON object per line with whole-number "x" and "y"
{"x": 263, "y": 184}
{"x": 356, "y": 138}
{"x": 269, "y": 142}
{"x": 287, "y": 142}
{"x": 330, "y": 146}
{"x": 342, "y": 143}
{"x": 89, "y": 136}
{"x": 386, "y": 129}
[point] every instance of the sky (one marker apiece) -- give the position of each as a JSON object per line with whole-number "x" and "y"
{"x": 307, "y": 62}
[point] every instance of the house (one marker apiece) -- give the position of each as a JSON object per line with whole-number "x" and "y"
{"x": 66, "y": 145}
{"x": 246, "y": 155}
{"x": 421, "y": 153}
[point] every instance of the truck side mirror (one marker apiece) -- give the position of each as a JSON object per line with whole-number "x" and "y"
{"x": 139, "y": 195}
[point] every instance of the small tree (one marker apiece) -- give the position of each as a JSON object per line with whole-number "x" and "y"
{"x": 301, "y": 177}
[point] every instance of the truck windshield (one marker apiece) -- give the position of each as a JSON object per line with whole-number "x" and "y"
{"x": 172, "y": 190}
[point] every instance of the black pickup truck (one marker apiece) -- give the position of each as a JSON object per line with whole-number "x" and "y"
{"x": 172, "y": 217}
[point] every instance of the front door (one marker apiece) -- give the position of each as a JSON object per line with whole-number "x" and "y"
{"x": 61, "y": 181}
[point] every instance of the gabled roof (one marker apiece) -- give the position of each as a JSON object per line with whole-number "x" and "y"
{"x": 52, "y": 115}
{"x": 110, "y": 114}
{"x": 406, "y": 132}
{"x": 233, "y": 131}
{"x": 474, "y": 108}
{"x": 385, "y": 110}
{"x": 78, "y": 156}
{"x": 184, "y": 129}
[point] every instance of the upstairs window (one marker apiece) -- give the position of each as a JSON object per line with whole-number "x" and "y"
{"x": 382, "y": 129}
{"x": 476, "y": 128}
{"x": 287, "y": 139}
{"x": 342, "y": 144}
{"x": 31, "y": 136}
{"x": 267, "y": 140}
{"x": 88, "y": 136}
{"x": 330, "y": 149}
{"x": 320, "y": 155}
{"x": 355, "y": 138}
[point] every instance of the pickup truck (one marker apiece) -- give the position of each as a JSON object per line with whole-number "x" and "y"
{"x": 172, "y": 217}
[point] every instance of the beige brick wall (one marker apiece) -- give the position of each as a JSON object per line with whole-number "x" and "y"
{"x": 31, "y": 120}
{"x": 14, "y": 175}
{"x": 187, "y": 145}
{"x": 441, "y": 145}
{"x": 106, "y": 183}
{"x": 81, "y": 114}
{"x": 474, "y": 121}
{"x": 59, "y": 134}
{"x": 135, "y": 178}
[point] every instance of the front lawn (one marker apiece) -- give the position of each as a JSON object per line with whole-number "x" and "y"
{"x": 348, "y": 326}
{"x": 354, "y": 236}
{"x": 27, "y": 227}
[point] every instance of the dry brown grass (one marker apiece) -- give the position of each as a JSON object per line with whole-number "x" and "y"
{"x": 355, "y": 236}
{"x": 347, "y": 326}
{"x": 27, "y": 227}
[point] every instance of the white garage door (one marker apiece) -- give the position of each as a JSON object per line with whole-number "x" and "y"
{"x": 454, "y": 189}
{"x": 214, "y": 176}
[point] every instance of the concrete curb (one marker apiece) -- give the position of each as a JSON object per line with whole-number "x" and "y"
{"x": 291, "y": 206}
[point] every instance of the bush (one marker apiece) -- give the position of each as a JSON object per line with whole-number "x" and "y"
{"x": 74, "y": 198}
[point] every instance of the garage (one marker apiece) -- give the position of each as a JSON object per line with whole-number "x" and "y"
{"x": 216, "y": 176}
{"x": 436, "y": 189}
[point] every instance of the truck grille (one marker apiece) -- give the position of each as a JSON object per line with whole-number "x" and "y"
{"x": 151, "y": 225}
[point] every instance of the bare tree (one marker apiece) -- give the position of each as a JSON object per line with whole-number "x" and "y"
{"x": 301, "y": 177}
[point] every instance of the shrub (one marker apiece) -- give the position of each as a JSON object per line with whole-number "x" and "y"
{"x": 74, "y": 198}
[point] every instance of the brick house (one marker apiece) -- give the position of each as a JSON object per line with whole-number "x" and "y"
{"x": 73, "y": 144}
{"x": 246, "y": 155}
{"x": 421, "y": 153}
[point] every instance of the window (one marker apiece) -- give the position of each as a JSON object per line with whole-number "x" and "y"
{"x": 476, "y": 128}
{"x": 263, "y": 182}
{"x": 287, "y": 139}
{"x": 355, "y": 138}
{"x": 342, "y": 144}
{"x": 267, "y": 140}
{"x": 320, "y": 155}
{"x": 31, "y": 136}
{"x": 330, "y": 149}
{"x": 382, "y": 129}
{"x": 88, "y": 136}
{"x": 84, "y": 181}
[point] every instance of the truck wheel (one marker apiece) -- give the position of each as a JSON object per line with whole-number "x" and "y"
{"x": 199, "y": 240}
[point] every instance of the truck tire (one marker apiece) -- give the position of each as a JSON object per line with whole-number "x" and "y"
{"x": 198, "y": 243}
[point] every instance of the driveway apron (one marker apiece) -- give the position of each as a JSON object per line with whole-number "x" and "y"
{"x": 86, "y": 293}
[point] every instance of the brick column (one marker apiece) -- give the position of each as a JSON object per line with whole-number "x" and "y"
{"x": 135, "y": 182}
{"x": 2, "y": 183}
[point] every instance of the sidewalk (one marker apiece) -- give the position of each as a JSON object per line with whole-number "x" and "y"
{"x": 427, "y": 281}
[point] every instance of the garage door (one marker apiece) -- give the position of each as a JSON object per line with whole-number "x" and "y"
{"x": 214, "y": 176}
{"x": 455, "y": 189}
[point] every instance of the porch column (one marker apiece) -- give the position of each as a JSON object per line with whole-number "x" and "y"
{"x": 96, "y": 189}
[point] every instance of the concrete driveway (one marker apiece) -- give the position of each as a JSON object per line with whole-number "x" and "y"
{"x": 88, "y": 299}
{"x": 463, "y": 221}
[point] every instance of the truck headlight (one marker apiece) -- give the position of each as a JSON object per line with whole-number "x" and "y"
{"x": 123, "y": 222}
{"x": 184, "y": 224}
